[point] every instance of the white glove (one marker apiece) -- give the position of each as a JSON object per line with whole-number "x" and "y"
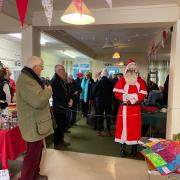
{"x": 133, "y": 98}
{"x": 125, "y": 98}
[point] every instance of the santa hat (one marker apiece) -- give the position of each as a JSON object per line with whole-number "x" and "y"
{"x": 79, "y": 75}
{"x": 131, "y": 65}
{"x": 104, "y": 72}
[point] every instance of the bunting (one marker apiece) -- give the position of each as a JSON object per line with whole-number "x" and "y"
{"x": 1, "y": 4}
{"x": 22, "y": 8}
{"x": 164, "y": 37}
{"x": 48, "y": 10}
{"x": 109, "y": 3}
{"x": 78, "y": 4}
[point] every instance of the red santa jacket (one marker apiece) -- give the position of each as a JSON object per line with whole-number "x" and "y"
{"x": 128, "y": 127}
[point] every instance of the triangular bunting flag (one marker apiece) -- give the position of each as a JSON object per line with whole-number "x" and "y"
{"x": 109, "y": 3}
{"x": 1, "y": 4}
{"x": 22, "y": 8}
{"x": 78, "y": 4}
{"x": 48, "y": 9}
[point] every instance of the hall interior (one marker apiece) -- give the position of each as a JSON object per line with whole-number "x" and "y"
{"x": 146, "y": 31}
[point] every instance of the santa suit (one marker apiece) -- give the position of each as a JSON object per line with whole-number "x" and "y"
{"x": 128, "y": 127}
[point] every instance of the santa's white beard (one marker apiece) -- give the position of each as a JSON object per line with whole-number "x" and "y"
{"x": 131, "y": 78}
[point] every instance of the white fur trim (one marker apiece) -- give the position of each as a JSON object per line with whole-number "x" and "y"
{"x": 118, "y": 90}
{"x": 124, "y": 97}
{"x": 143, "y": 92}
{"x": 127, "y": 142}
{"x": 127, "y": 67}
{"x": 126, "y": 88}
{"x": 131, "y": 142}
{"x": 138, "y": 86}
{"x": 124, "y": 131}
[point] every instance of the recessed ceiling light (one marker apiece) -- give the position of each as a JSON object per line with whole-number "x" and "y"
{"x": 68, "y": 53}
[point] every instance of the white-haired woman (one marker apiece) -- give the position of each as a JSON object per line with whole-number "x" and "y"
{"x": 34, "y": 116}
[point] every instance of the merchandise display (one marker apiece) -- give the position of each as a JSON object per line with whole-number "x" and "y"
{"x": 8, "y": 117}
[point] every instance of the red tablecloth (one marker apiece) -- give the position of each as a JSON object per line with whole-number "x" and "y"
{"x": 11, "y": 145}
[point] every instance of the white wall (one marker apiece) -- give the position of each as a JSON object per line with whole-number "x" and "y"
{"x": 50, "y": 60}
{"x": 81, "y": 61}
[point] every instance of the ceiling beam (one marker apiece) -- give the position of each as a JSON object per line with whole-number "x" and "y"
{"x": 71, "y": 41}
{"x": 120, "y": 15}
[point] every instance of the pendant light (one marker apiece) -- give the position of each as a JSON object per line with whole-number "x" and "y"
{"x": 77, "y": 13}
{"x": 116, "y": 55}
{"x": 108, "y": 43}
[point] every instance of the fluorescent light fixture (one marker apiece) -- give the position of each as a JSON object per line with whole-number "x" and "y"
{"x": 16, "y": 35}
{"x": 73, "y": 15}
{"x": 69, "y": 53}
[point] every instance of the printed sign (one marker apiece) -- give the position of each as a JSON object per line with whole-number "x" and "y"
{"x": 84, "y": 66}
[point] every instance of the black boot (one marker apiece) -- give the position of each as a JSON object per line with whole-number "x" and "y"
{"x": 123, "y": 150}
{"x": 134, "y": 150}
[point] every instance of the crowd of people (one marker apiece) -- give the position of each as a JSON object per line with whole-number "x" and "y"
{"x": 158, "y": 95}
{"x": 116, "y": 100}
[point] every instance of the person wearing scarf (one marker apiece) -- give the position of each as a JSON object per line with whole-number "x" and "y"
{"x": 34, "y": 117}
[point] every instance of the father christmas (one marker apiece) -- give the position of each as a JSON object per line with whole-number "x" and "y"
{"x": 131, "y": 91}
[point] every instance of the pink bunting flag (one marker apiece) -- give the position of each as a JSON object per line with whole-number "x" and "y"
{"x": 48, "y": 10}
{"x": 78, "y": 4}
{"x": 22, "y": 8}
{"x": 109, "y": 3}
{"x": 1, "y": 4}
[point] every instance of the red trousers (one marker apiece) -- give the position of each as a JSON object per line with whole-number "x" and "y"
{"x": 30, "y": 168}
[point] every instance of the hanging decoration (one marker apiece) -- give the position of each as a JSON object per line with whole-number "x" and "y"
{"x": 1, "y": 4}
{"x": 78, "y": 5}
{"x": 77, "y": 13}
{"x": 48, "y": 10}
{"x": 158, "y": 43}
{"x": 164, "y": 37}
{"x": 109, "y": 3}
{"x": 22, "y": 8}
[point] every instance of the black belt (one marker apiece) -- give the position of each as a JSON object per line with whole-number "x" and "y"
{"x": 125, "y": 104}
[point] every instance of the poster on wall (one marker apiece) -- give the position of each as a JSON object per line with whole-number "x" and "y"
{"x": 85, "y": 66}
{"x": 75, "y": 70}
{"x": 80, "y": 68}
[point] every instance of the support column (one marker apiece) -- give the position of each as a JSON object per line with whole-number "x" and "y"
{"x": 70, "y": 64}
{"x": 30, "y": 43}
{"x": 173, "y": 116}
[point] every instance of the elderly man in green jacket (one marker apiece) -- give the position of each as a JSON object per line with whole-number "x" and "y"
{"x": 34, "y": 116}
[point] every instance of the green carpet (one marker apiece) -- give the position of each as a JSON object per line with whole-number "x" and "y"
{"x": 84, "y": 139}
